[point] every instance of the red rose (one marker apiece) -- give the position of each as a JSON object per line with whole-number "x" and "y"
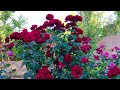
{"x": 40, "y": 28}
{"x": 78, "y": 18}
{"x": 85, "y": 48}
{"x": 40, "y": 41}
{"x": 11, "y": 45}
{"x": 46, "y": 23}
{"x": 67, "y": 25}
{"x": 46, "y": 36}
{"x": 58, "y": 23}
{"x": 48, "y": 54}
{"x": 96, "y": 57}
{"x": 52, "y": 22}
{"x": 85, "y": 39}
{"x": 84, "y": 60}
{"x": 79, "y": 39}
{"x": 69, "y": 18}
{"x": 73, "y": 18}
{"x": 44, "y": 73}
{"x": 14, "y": 35}
{"x": 68, "y": 58}
{"x": 29, "y": 37}
{"x": 59, "y": 64}
{"x": 112, "y": 72}
{"x": 76, "y": 71}
{"x": 25, "y": 30}
{"x": 49, "y": 17}
{"x": 33, "y": 27}
{"x": 6, "y": 39}
{"x": 78, "y": 30}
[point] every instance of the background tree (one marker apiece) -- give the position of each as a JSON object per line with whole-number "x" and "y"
{"x": 8, "y": 24}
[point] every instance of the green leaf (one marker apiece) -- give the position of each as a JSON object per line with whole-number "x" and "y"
{"x": 7, "y": 65}
{"x": 33, "y": 64}
{"x": 30, "y": 51}
{"x": 54, "y": 38}
{"x": 49, "y": 62}
{"x": 74, "y": 37}
{"x": 61, "y": 58}
{"x": 54, "y": 49}
{"x": 28, "y": 74}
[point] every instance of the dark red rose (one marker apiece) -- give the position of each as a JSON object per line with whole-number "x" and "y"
{"x": 78, "y": 18}
{"x": 68, "y": 58}
{"x": 7, "y": 39}
{"x": 52, "y": 22}
{"x": 44, "y": 73}
{"x": 85, "y": 39}
{"x": 96, "y": 57}
{"x": 84, "y": 60}
{"x": 10, "y": 45}
{"x": 14, "y": 35}
{"x": 33, "y": 27}
{"x": 46, "y": 36}
{"x": 85, "y": 48}
{"x": 40, "y": 41}
{"x": 25, "y": 30}
{"x": 49, "y": 17}
{"x": 59, "y": 64}
{"x": 79, "y": 39}
{"x": 73, "y": 18}
{"x": 40, "y": 28}
{"x": 76, "y": 71}
{"x": 29, "y": 37}
{"x": 48, "y": 54}
{"x": 67, "y": 25}
{"x": 78, "y": 30}
{"x": 46, "y": 23}
{"x": 58, "y": 23}
{"x": 43, "y": 31}
{"x": 69, "y": 18}
{"x": 114, "y": 71}
{"x": 99, "y": 50}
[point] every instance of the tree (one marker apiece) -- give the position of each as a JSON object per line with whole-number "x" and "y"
{"x": 6, "y": 28}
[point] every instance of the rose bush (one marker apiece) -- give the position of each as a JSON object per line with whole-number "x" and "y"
{"x": 58, "y": 51}
{"x": 53, "y": 50}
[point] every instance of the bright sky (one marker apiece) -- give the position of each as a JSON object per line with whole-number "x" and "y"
{"x": 38, "y": 17}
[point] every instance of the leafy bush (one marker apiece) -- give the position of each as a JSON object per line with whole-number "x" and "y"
{"x": 49, "y": 52}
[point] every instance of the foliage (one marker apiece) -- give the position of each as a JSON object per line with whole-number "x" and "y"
{"x": 6, "y": 28}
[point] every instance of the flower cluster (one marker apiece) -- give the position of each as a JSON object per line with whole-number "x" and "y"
{"x": 35, "y": 35}
{"x": 44, "y": 73}
{"x": 76, "y": 71}
{"x": 113, "y": 70}
{"x": 102, "y": 52}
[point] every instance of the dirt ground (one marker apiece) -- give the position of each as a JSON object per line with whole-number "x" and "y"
{"x": 19, "y": 72}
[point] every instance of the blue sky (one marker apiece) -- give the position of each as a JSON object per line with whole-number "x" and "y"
{"x": 38, "y": 17}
